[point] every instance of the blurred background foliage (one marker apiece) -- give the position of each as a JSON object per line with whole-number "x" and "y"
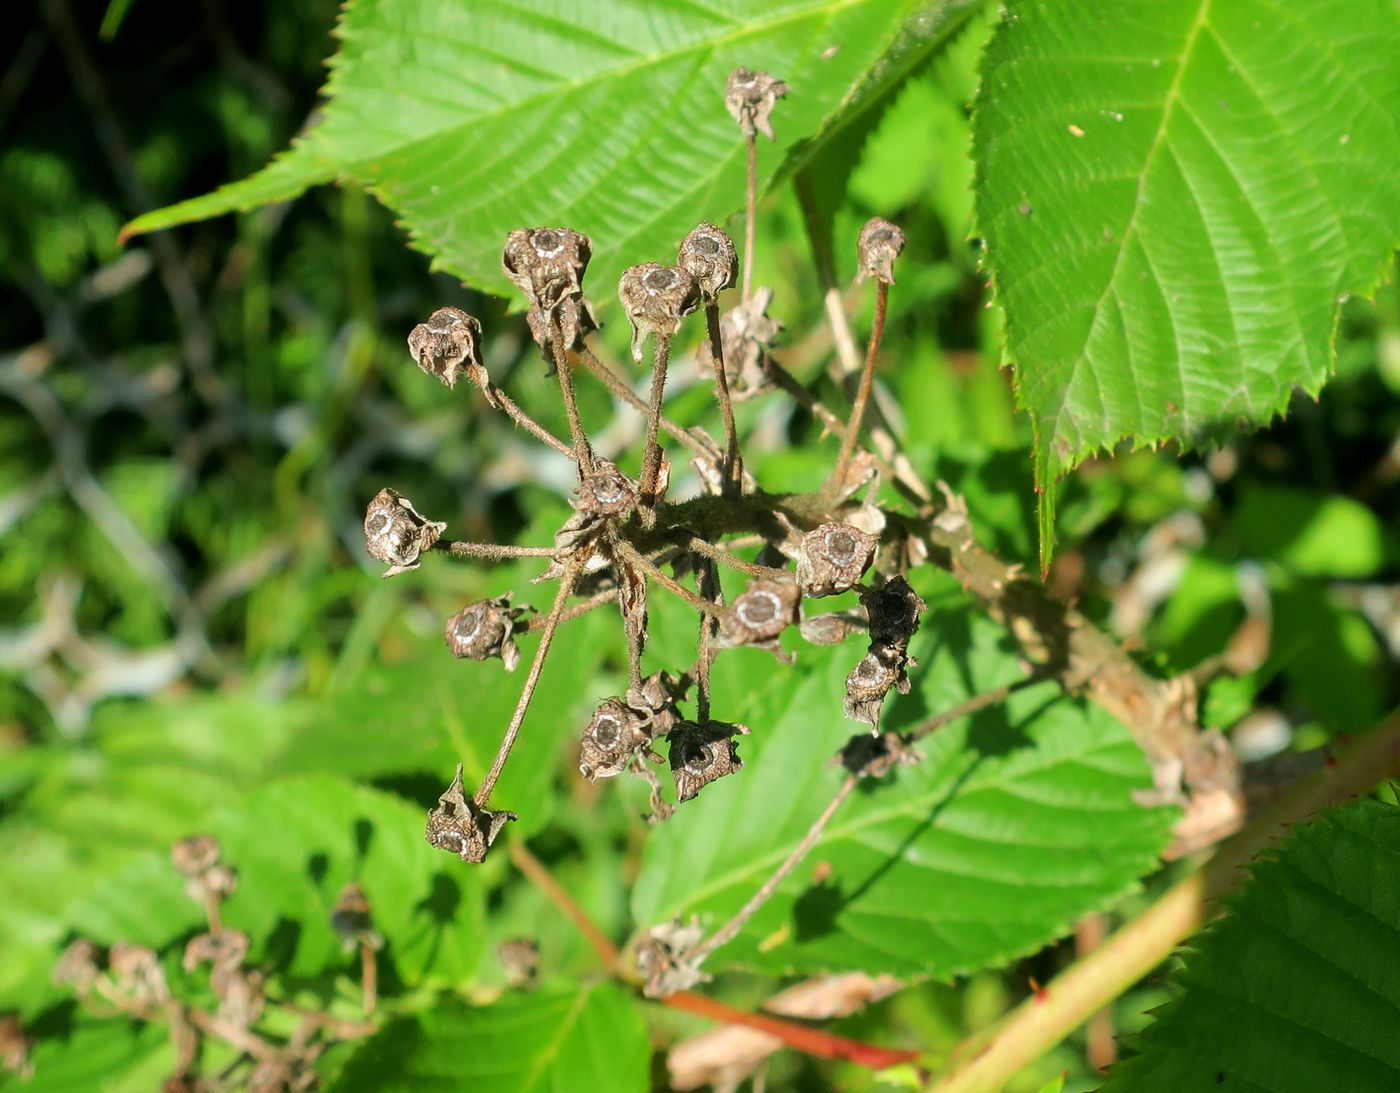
{"x": 190, "y": 428}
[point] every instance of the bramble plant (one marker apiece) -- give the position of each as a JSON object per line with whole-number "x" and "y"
{"x": 896, "y": 757}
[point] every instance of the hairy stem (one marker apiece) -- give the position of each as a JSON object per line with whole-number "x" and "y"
{"x": 848, "y": 444}
{"x": 460, "y": 549}
{"x": 727, "y": 558}
{"x": 496, "y": 397}
{"x": 556, "y": 613}
{"x": 591, "y": 603}
{"x": 707, "y": 580}
{"x": 733, "y": 463}
{"x": 651, "y": 455}
{"x": 618, "y": 386}
{"x": 750, "y": 203}
{"x": 583, "y": 453}
{"x": 627, "y": 551}
{"x": 730, "y": 930}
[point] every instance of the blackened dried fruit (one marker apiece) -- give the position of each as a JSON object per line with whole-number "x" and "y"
{"x": 893, "y": 609}
{"x": 701, "y": 754}
{"x": 656, "y": 299}
{"x": 606, "y": 492}
{"x": 396, "y": 534}
{"x": 614, "y": 734}
{"x": 194, "y": 855}
{"x": 447, "y": 345}
{"x": 547, "y": 265}
{"x": 868, "y": 683}
{"x": 485, "y": 629}
{"x": 750, "y": 96}
{"x": 879, "y": 245}
{"x": 875, "y": 756}
{"x": 833, "y": 559}
{"x": 461, "y": 826}
{"x": 759, "y": 614}
{"x": 707, "y": 254}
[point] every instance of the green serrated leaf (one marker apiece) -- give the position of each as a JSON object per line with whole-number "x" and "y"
{"x": 1019, "y": 820}
{"x": 571, "y": 1038}
{"x": 1297, "y": 988}
{"x": 470, "y": 120}
{"x": 1175, "y": 198}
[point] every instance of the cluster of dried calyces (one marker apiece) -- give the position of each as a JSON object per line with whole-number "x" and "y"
{"x": 626, "y": 538}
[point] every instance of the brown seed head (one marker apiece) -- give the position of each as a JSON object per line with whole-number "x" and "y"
{"x": 606, "y": 492}
{"x": 614, "y": 734}
{"x": 80, "y": 965}
{"x": 762, "y": 612}
{"x": 656, "y": 299}
{"x": 701, "y": 754}
{"x": 396, "y": 534}
{"x": 137, "y": 972}
{"x": 547, "y": 265}
{"x": 485, "y": 629}
{"x": 447, "y": 345}
{"x": 870, "y": 680}
{"x": 708, "y": 255}
{"x": 750, "y": 97}
{"x": 194, "y": 855}
{"x": 833, "y": 559}
{"x": 226, "y": 949}
{"x": 462, "y": 827}
{"x": 879, "y": 245}
{"x": 655, "y": 702}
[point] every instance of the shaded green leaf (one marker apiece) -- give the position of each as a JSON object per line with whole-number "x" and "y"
{"x": 470, "y": 120}
{"x": 1175, "y": 198}
{"x": 1019, "y": 820}
{"x": 572, "y": 1038}
{"x": 1298, "y": 986}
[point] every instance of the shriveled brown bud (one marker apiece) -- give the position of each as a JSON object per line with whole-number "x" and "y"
{"x": 15, "y": 1046}
{"x": 396, "y": 534}
{"x": 833, "y": 558}
{"x": 893, "y": 609}
{"x": 829, "y": 629}
{"x": 614, "y": 734}
{"x": 661, "y": 958}
{"x": 875, "y": 756}
{"x": 656, "y": 702}
{"x": 760, "y": 613}
{"x": 879, "y": 245}
{"x": 485, "y": 629}
{"x": 746, "y": 334}
{"x": 607, "y": 491}
{"x": 870, "y": 680}
{"x": 701, "y": 754}
{"x": 708, "y": 255}
{"x": 137, "y": 972}
{"x": 351, "y": 921}
{"x": 225, "y": 949}
{"x": 80, "y": 965}
{"x": 194, "y": 855}
{"x": 461, "y": 826}
{"x": 750, "y": 96}
{"x": 656, "y": 299}
{"x": 547, "y": 265}
{"x": 447, "y": 345}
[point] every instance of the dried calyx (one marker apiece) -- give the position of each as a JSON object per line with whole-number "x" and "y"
{"x": 879, "y": 245}
{"x": 462, "y": 827}
{"x": 703, "y": 753}
{"x": 396, "y": 534}
{"x": 750, "y": 97}
{"x": 614, "y": 736}
{"x": 747, "y": 334}
{"x": 892, "y": 611}
{"x": 485, "y": 629}
{"x": 760, "y": 614}
{"x": 606, "y": 492}
{"x": 656, "y": 298}
{"x": 547, "y": 265}
{"x": 833, "y": 559}
{"x": 447, "y": 345}
{"x": 708, "y": 255}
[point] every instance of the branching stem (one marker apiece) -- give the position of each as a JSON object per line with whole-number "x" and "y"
{"x": 848, "y": 444}
{"x": 627, "y": 551}
{"x": 496, "y": 397}
{"x": 733, "y": 463}
{"x": 727, "y": 558}
{"x": 651, "y": 455}
{"x": 583, "y": 453}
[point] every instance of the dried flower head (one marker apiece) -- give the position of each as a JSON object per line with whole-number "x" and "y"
{"x": 461, "y": 826}
{"x": 833, "y": 558}
{"x": 396, "y": 534}
{"x": 878, "y": 246}
{"x": 227, "y": 949}
{"x": 708, "y": 255}
{"x": 485, "y": 629}
{"x": 655, "y": 702}
{"x": 750, "y": 97}
{"x": 829, "y": 629}
{"x": 194, "y": 855}
{"x": 701, "y": 754}
{"x": 893, "y": 609}
{"x": 447, "y": 345}
{"x": 15, "y": 1047}
{"x": 606, "y": 492}
{"x": 656, "y": 299}
{"x": 137, "y": 972}
{"x": 760, "y": 613}
{"x": 661, "y": 958}
{"x": 351, "y": 921}
{"x": 615, "y": 733}
{"x": 80, "y": 965}
{"x": 870, "y": 680}
{"x": 547, "y": 265}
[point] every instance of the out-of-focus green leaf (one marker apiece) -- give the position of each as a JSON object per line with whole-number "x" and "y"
{"x": 1297, "y": 988}
{"x": 113, "y": 1056}
{"x": 470, "y": 120}
{"x": 1018, "y": 821}
{"x": 1311, "y": 533}
{"x": 582, "y": 1037}
{"x": 1175, "y": 198}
